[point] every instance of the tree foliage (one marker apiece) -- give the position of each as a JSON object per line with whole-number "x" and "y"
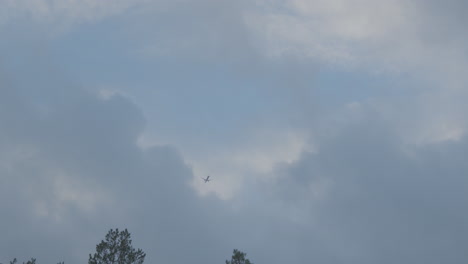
{"x": 117, "y": 249}
{"x": 32, "y": 261}
{"x": 238, "y": 257}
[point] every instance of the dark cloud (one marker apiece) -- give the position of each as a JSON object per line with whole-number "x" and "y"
{"x": 71, "y": 170}
{"x": 384, "y": 202}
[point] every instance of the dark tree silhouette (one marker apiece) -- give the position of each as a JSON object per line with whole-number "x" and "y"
{"x": 117, "y": 249}
{"x": 32, "y": 261}
{"x": 238, "y": 257}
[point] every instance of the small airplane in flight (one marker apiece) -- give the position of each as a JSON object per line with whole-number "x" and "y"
{"x": 207, "y": 179}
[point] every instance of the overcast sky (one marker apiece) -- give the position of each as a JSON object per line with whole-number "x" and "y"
{"x": 334, "y": 131}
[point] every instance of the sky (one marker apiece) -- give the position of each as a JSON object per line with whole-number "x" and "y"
{"x": 333, "y": 131}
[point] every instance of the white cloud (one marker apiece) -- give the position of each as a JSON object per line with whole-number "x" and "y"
{"x": 230, "y": 165}
{"x": 333, "y": 31}
{"x": 396, "y": 36}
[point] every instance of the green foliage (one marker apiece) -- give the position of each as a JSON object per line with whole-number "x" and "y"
{"x": 238, "y": 257}
{"x": 117, "y": 249}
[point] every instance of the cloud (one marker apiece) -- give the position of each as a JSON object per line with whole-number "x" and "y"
{"x": 365, "y": 199}
{"x": 398, "y": 36}
{"x": 359, "y": 198}
{"x": 202, "y": 31}
{"x": 417, "y": 37}
{"x": 59, "y": 15}
{"x": 71, "y": 170}
{"x": 231, "y": 88}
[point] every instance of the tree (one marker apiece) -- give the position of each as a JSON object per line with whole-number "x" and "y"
{"x": 32, "y": 261}
{"x": 117, "y": 249}
{"x": 238, "y": 257}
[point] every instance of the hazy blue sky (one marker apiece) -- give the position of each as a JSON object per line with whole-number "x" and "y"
{"x": 335, "y": 131}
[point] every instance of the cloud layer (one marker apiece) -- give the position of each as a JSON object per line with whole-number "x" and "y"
{"x": 334, "y": 131}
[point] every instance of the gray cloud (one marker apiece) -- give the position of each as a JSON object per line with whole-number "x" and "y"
{"x": 70, "y": 168}
{"x": 381, "y": 202}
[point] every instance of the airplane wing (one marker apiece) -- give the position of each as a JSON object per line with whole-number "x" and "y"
{"x": 207, "y": 179}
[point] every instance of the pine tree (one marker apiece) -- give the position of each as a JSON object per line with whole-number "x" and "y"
{"x": 117, "y": 249}
{"x": 238, "y": 257}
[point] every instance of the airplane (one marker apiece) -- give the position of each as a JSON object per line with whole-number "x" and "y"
{"x": 207, "y": 179}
